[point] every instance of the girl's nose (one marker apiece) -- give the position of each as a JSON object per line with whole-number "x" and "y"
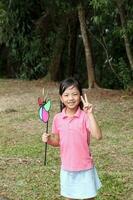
{"x": 70, "y": 97}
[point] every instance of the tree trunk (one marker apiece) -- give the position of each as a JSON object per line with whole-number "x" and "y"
{"x": 55, "y": 65}
{"x": 7, "y": 68}
{"x": 87, "y": 47}
{"x": 73, "y": 24}
{"x": 126, "y": 40}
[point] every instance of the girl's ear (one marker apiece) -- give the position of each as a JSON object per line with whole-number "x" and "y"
{"x": 61, "y": 98}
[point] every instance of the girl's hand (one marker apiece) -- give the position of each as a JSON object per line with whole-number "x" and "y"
{"x": 87, "y": 107}
{"x": 45, "y": 137}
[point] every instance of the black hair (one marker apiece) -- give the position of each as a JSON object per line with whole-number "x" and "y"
{"x": 70, "y": 81}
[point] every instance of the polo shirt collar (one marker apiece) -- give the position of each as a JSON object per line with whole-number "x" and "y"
{"x": 77, "y": 114}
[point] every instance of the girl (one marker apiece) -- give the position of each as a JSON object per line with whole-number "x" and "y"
{"x": 71, "y": 131}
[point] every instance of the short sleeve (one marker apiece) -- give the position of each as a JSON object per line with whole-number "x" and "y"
{"x": 55, "y": 125}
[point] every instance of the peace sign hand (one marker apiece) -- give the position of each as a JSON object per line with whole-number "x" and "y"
{"x": 87, "y": 107}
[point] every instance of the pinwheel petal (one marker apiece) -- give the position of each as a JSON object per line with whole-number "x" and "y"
{"x": 40, "y": 101}
{"x": 40, "y": 112}
{"x": 47, "y": 105}
{"x": 45, "y": 115}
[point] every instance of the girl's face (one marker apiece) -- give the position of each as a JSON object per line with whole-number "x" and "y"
{"x": 71, "y": 98}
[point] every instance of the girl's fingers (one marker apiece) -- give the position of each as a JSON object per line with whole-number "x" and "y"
{"x": 86, "y": 98}
{"x": 83, "y": 101}
{"x": 45, "y": 136}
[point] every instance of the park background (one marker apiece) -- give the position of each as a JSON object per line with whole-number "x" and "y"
{"x": 41, "y": 43}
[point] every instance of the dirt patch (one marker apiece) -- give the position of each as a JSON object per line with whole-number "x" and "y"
{"x": 14, "y": 93}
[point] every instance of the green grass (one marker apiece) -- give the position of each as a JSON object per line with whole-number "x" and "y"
{"x": 23, "y": 175}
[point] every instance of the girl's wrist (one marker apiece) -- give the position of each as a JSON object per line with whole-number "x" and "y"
{"x": 90, "y": 115}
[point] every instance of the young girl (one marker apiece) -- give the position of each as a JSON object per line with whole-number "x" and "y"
{"x": 71, "y": 131}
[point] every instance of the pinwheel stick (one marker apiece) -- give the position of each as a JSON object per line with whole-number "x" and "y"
{"x": 44, "y": 115}
{"x": 45, "y": 155}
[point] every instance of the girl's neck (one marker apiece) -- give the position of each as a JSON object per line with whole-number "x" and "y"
{"x": 71, "y": 112}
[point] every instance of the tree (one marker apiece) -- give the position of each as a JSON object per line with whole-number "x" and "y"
{"x": 73, "y": 26}
{"x": 68, "y": 38}
{"x": 120, "y": 5}
{"x": 114, "y": 67}
{"x": 87, "y": 47}
{"x": 55, "y": 67}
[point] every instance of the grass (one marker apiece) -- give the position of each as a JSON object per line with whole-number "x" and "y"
{"x": 23, "y": 175}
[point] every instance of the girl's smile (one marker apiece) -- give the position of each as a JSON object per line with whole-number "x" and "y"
{"x": 71, "y": 98}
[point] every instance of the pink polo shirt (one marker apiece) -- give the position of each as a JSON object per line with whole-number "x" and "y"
{"x": 74, "y": 149}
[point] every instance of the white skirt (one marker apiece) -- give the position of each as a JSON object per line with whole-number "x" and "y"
{"x": 79, "y": 185}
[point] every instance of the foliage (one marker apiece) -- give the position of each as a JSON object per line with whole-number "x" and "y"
{"x": 26, "y": 51}
{"x": 111, "y": 63}
{"x": 124, "y": 73}
{"x": 2, "y": 19}
{"x": 29, "y": 30}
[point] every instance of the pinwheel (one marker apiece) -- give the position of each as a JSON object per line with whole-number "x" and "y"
{"x": 44, "y": 107}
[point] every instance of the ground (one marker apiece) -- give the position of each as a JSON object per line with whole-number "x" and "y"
{"x": 23, "y": 175}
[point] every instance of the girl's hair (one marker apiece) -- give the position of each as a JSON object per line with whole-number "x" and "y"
{"x": 71, "y": 81}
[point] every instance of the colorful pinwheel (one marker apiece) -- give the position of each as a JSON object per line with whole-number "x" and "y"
{"x": 44, "y": 107}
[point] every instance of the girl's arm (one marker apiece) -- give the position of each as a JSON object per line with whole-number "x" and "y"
{"x": 94, "y": 127}
{"x": 51, "y": 139}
